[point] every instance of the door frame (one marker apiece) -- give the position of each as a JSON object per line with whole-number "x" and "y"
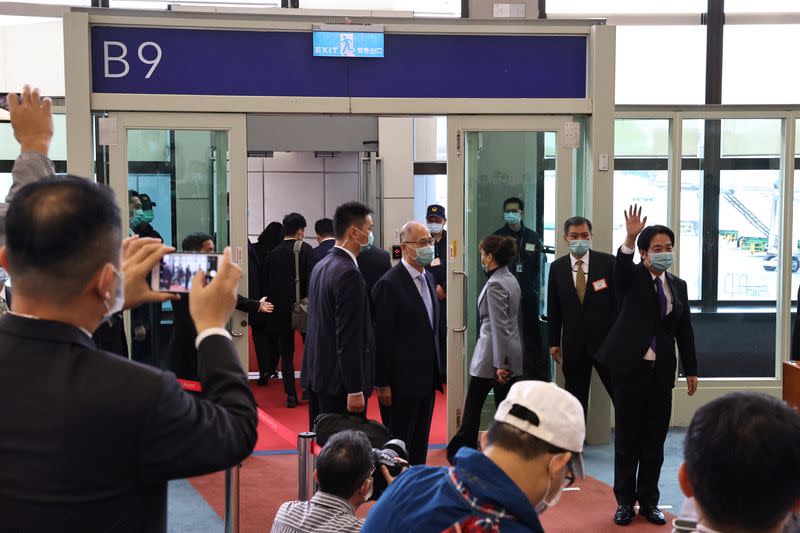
{"x": 457, "y": 328}
{"x": 235, "y": 125}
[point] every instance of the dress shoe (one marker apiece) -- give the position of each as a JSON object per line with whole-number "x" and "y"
{"x": 274, "y": 375}
{"x": 653, "y": 514}
{"x": 263, "y": 381}
{"x": 624, "y": 515}
{"x": 291, "y": 401}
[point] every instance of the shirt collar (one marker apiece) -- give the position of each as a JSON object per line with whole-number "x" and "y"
{"x": 413, "y": 272}
{"x": 585, "y": 259}
{"x": 335, "y": 502}
{"x": 352, "y": 256}
{"x": 488, "y": 482}
{"x": 326, "y": 239}
{"x": 663, "y": 276}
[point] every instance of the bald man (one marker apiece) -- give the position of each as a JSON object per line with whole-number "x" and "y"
{"x": 407, "y": 355}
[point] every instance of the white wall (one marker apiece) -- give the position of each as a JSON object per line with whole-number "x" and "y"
{"x": 32, "y": 53}
{"x": 396, "y": 145}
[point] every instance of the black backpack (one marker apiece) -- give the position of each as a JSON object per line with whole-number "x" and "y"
{"x": 328, "y": 424}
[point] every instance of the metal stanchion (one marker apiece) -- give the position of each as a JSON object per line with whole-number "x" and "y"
{"x": 305, "y": 465}
{"x": 232, "y": 499}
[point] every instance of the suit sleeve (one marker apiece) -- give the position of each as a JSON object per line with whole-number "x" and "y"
{"x": 501, "y": 321}
{"x": 685, "y": 335}
{"x": 386, "y": 265}
{"x": 247, "y": 305}
{"x": 384, "y": 320}
{"x": 189, "y": 435}
{"x": 28, "y": 168}
{"x": 553, "y": 310}
{"x": 623, "y": 274}
{"x": 351, "y": 298}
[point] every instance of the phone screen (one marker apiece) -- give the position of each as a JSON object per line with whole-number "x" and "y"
{"x": 176, "y": 270}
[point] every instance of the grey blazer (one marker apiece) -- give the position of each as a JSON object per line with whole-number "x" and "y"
{"x": 498, "y": 343}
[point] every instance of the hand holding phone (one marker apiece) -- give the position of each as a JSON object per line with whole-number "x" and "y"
{"x": 139, "y": 256}
{"x": 175, "y": 272}
{"x": 211, "y": 304}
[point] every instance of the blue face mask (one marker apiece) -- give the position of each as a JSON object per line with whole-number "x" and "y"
{"x": 661, "y": 261}
{"x": 513, "y": 217}
{"x": 578, "y": 248}
{"x": 370, "y": 240}
{"x": 148, "y": 216}
{"x": 137, "y": 218}
{"x": 425, "y": 255}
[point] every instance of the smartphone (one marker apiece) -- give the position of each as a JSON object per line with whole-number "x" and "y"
{"x": 176, "y": 270}
{"x": 4, "y": 101}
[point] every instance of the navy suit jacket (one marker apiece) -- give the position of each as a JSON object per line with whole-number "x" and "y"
{"x": 337, "y": 359}
{"x": 323, "y": 249}
{"x": 639, "y": 321}
{"x": 90, "y": 439}
{"x": 373, "y": 263}
{"x": 407, "y": 353}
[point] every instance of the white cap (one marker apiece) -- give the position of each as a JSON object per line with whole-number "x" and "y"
{"x": 549, "y": 413}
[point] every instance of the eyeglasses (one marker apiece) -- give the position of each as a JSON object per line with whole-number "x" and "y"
{"x": 422, "y": 242}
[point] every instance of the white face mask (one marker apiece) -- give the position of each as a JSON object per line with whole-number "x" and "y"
{"x": 118, "y": 301}
{"x": 544, "y": 505}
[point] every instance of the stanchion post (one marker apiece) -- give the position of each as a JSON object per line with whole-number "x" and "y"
{"x": 305, "y": 465}
{"x": 232, "y": 499}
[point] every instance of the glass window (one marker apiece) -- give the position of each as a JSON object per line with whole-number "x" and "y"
{"x": 638, "y": 144}
{"x": 755, "y": 64}
{"x": 691, "y": 241}
{"x": 9, "y": 147}
{"x": 5, "y": 185}
{"x": 648, "y": 58}
{"x": 748, "y": 213}
{"x": 429, "y": 190}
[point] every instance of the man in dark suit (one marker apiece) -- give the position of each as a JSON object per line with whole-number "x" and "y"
{"x": 640, "y": 352}
{"x": 337, "y": 365}
{"x": 435, "y": 218}
{"x": 407, "y": 357}
{"x": 325, "y": 239}
{"x": 280, "y": 286}
{"x": 581, "y": 308}
{"x": 102, "y": 459}
{"x": 373, "y": 262}
{"x": 527, "y": 268}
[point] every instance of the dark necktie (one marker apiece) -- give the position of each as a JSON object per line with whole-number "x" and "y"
{"x": 662, "y": 304}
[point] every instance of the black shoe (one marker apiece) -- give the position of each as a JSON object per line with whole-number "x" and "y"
{"x": 291, "y": 401}
{"x": 653, "y": 514}
{"x": 624, "y": 515}
{"x": 263, "y": 381}
{"x": 274, "y": 375}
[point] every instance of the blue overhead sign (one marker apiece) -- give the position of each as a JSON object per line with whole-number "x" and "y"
{"x": 181, "y": 61}
{"x": 347, "y": 44}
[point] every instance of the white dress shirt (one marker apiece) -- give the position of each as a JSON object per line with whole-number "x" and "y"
{"x": 574, "y": 260}
{"x": 422, "y": 287}
{"x": 348, "y": 253}
{"x": 651, "y": 354}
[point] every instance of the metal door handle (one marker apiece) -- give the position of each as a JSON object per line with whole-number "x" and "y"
{"x": 237, "y": 334}
{"x": 463, "y": 328}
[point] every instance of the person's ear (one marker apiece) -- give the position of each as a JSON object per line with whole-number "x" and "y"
{"x": 559, "y": 462}
{"x": 482, "y": 440}
{"x": 686, "y": 485}
{"x": 4, "y": 258}
{"x": 566, "y": 239}
{"x": 366, "y": 487}
{"x": 104, "y": 281}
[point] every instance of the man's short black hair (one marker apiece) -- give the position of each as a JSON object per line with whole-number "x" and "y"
{"x": 577, "y": 221}
{"x": 344, "y": 463}
{"x": 742, "y": 455}
{"x": 59, "y": 232}
{"x": 514, "y": 200}
{"x": 292, "y": 223}
{"x": 324, "y": 227}
{"x": 647, "y": 234}
{"x": 517, "y": 441}
{"x": 194, "y": 241}
{"x": 348, "y": 214}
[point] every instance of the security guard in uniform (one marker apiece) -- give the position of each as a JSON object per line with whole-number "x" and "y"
{"x": 435, "y": 219}
{"x": 527, "y": 267}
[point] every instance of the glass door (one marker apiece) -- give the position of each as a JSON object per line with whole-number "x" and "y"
{"x": 176, "y": 175}
{"x": 511, "y": 176}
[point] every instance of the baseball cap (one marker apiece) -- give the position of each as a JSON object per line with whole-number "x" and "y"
{"x": 549, "y": 413}
{"x": 435, "y": 210}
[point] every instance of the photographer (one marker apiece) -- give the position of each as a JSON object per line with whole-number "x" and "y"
{"x": 90, "y": 439}
{"x": 344, "y": 473}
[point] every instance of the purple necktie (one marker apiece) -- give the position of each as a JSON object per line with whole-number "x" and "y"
{"x": 662, "y": 304}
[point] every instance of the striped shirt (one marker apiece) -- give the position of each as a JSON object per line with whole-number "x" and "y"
{"x": 325, "y": 513}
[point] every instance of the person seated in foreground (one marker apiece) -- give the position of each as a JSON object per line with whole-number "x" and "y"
{"x": 344, "y": 474}
{"x": 532, "y": 450}
{"x": 742, "y": 465}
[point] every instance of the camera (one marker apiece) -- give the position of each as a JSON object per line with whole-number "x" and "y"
{"x": 387, "y": 456}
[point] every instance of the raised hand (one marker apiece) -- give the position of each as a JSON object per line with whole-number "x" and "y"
{"x": 31, "y": 120}
{"x": 634, "y": 224}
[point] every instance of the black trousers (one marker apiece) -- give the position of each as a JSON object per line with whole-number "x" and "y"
{"x": 327, "y": 403}
{"x": 642, "y": 413}
{"x": 284, "y": 339}
{"x": 267, "y": 352}
{"x": 409, "y": 419}
{"x": 477, "y": 391}
{"x": 535, "y": 359}
{"x": 577, "y": 369}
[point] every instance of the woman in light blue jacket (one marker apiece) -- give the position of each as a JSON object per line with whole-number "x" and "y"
{"x": 497, "y": 358}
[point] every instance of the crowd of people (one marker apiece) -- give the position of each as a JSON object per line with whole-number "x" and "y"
{"x": 94, "y": 449}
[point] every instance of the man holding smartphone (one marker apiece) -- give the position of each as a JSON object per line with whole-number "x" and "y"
{"x": 92, "y": 445}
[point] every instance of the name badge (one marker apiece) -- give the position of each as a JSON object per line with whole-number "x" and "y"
{"x": 530, "y": 247}
{"x": 436, "y": 262}
{"x": 600, "y": 285}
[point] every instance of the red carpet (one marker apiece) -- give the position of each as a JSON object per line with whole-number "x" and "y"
{"x": 268, "y": 481}
{"x": 271, "y": 400}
